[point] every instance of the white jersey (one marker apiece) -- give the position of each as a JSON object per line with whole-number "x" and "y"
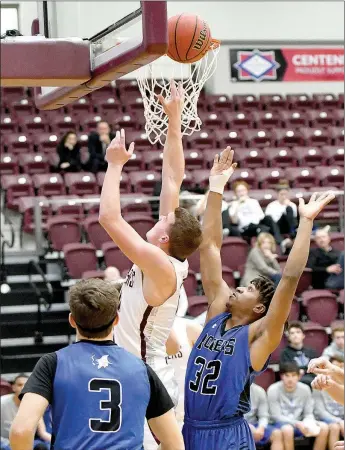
{"x": 143, "y": 329}
{"x": 179, "y": 363}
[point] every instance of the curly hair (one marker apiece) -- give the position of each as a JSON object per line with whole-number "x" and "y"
{"x": 266, "y": 289}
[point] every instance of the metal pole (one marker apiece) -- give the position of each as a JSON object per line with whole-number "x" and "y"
{"x": 38, "y": 227}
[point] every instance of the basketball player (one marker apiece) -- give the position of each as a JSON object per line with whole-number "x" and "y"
{"x": 243, "y": 327}
{"x": 186, "y": 333}
{"x": 99, "y": 392}
{"x": 150, "y": 294}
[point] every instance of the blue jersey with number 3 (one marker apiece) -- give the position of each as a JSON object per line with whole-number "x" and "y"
{"x": 219, "y": 373}
{"x": 102, "y": 406}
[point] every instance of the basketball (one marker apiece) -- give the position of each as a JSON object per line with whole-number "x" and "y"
{"x": 189, "y": 38}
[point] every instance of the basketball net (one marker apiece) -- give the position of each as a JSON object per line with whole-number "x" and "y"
{"x": 152, "y": 82}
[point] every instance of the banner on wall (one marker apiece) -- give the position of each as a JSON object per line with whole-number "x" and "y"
{"x": 287, "y": 64}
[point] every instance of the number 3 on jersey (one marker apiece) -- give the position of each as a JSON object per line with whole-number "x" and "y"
{"x": 204, "y": 379}
{"x": 112, "y": 405}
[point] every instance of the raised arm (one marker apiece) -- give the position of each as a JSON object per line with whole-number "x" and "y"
{"x": 152, "y": 260}
{"x": 210, "y": 261}
{"x": 173, "y": 157}
{"x": 268, "y": 333}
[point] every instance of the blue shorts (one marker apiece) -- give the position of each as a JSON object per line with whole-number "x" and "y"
{"x": 267, "y": 435}
{"x": 297, "y": 432}
{"x": 232, "y": 434}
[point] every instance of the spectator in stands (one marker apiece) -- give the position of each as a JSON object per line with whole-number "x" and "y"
{"x": 297, "y": 353}
{"x": 323, "y": 260}
{"x": 247, "y": 214}
{"x": 97, "y": 144}
{"x": 112, "y": 274}
{"x": 336, "y": 348}
{"x": 69, "y": 153}
{"x": 336, "y": 281}
{"x": 262, "y": 260}
{"x": 258, "y": 418}
{"x": 291, "y": 407}
{"x": 329, "y": 411}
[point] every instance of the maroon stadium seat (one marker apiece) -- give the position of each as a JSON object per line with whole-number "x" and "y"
{"x": 287, "y": 137}
{"x": 263, "y": 196}
{"x": 321, "y": 118}
{"x": 295, "y": 311}
{"x": 273, "y": 102}
{"x": 137, "y": 203}
{"x": 251, "y": 158}
{"x": 232, "y": 137}
{"x": 8, "y": 164}
{"x": 105, "y": 92}
{"x": 34, "y": 124}
{"x": 68, "y": 207}
{"x": 26, "y": 207}
{"x": 113, "y": 256}
{"x": 109, "y": 105}
{"x": 280, "y": 157}
{"x": 127, "y": 121}
{"x": 211, "y": 120}
{"x": 18, "y": 143}
{"x": 33, "y": 163}
{"x": 46, "y": 142}
{"x": 228, "y": 276}
{"x": 81, "y": 183}
{"x": 275, "y": 356}
{"x": 238, "y": 120}
{"x": 5, "y": 387}
{"x": 310, "y": 156}
{"x": 197, "y": 304}
{"x": 337, "y": 241}
{"x": 125, "y": 185}
{"x": 201, "y": 178}
{"x": 8, "y": 125}
{"x": 126, "y": 87}
{"x": 258, "y": 138}
{"x": 246, "y": 175}
{"x": 144, "y": 181}
{"x": 140, "y": 139}
{"x": 79, "y": 258}
{"x": 190, "y": 284}
{"x": 266, "y": 378}
{"x": 201, "y": 140}
{"x": 63, "y": 123}
{"x": 152, "y": 160}
{"x": 331, "y": 176}
{"x": 96, "y": 233}
{"x": 63, "y": 230}
{"x": 90, "y": 121}
{"x": 334, "y": 155}
{"x": 16, "y": 186}
{"x": 246, "y": 102}
{"x": 304, "y": 177}
{"x": 304, "y": 282}
{"x": 140, "y": 222}
{"x": 22, "y": 108}
{"x": 337, "y": 135}
{"x": 326, "y": 101}
{"x": 134, "y": 105}
{"x": 316, "y": 136}
{"x": 321, "y": 306}
{"x": 49, "y": 184}
{"x": 82, "y": 105}
{"x": 269, "y": 177}
{"x": 194, "y": 262}
{"x": 294, "y": 119}
{"x": 268, "y": 119}
{"x": 220, "y": 102}
{"x": 300, "y": 101}
{"x": 315, "y": 337}
{"x": 194, "y": 159}
{"x": 234, "y": 252}
{"x": 209, "y": 155}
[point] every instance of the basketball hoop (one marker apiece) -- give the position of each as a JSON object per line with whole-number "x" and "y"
{"x": 152, "y": 82}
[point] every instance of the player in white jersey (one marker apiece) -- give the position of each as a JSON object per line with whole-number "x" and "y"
{"x": 150, "y": 295}
{"x": 186, "y": 331}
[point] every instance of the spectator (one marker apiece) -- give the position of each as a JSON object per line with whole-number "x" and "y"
{"x": 329, "y": 411}
{"x": 291, "y": 407}
{"x": 98, "y": 143}
{"x": 336, "y": 281}
{"x": 336, "y": 349}
{"x": 297, "y": 353}
{"x": 258, "y": 418}
{"x": 247, "y": 215}
{"x": 323, "y": 260}
{"x": 262, "y": 260}
{"x": 112, "y": 274}
{"x": 69, "y": 153}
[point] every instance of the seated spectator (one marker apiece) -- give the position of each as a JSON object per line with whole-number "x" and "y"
{"x": 336, "y": 281}
{"x": 69, "y": 153}
{"x": 329, "y": 411}
{"x": 323, "y": 260}
{"x": 297, "y": 353}
{"x": 262, "y": 260}
{"x": 247, "y": 214}
{"x": 258, "y": 418}
{"x": 97, "y": 144}
{"x": 291, "y": 407}
{"x": 336, "y": 348}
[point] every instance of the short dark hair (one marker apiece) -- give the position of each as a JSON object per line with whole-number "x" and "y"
{"x": 21, "y": 375}
{"x": 283, "y": 185}
{"x": 185, "y": 234}
{"x": 289, "y": 367}
{"x": 266, "y": 289}
{"x": 295, "y": 324}
{"x": 94, "y": 306}
{"x": 337, "y": 358}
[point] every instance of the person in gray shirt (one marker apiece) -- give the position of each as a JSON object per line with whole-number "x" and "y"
{"x": 258, "y": 418}
{"x": 291, "y": 408}
{"x": 329, "y": 411}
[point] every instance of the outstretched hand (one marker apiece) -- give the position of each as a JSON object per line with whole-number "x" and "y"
{"x": 223, "y": 165}
{"x": 116, "y": 152}
{"x": 174, "y": 104}
{"x": 316, "y": 204}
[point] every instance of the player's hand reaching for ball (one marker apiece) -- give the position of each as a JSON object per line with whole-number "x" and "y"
{"x": 173, "y": 105}
{"x": 316, "y": 204}
{"x": 222, "y": 169}
{"x": 116, "y": 152}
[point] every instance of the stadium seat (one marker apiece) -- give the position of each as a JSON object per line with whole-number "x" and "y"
{"x": 337, "y": 241}
{"x": 144, "y": 181}
{"x": 268, "y": 119}
{"x": 228, "y": 276}
{"x": 142, "y": 223}
{"x": 22, "y": 108}
{"x": 197, "y": 304}
{"x": 334, "y": 155}
{"x": 152, "y": 160}
{"x": 26, "y": 207}
{"x": 201, "y": 140}
{"x": 8, "y": 164}
{"x": 140, "y": 139}
{"x": 80, "y": 106}
{"x": 63, "y": 230}
{"x": 105, "y": 92}
{"x": 258, "y": 138}
{"x": 194, "y": 262}
{"x": 190, "y": 283}
{"x": 211, "y": 120}
{"x": 113, "y": 256}
{"x": 79, "y": 258}
{"x": 32, "y": 163}
{"x": 201, "y": 178}
{"x": 8, "y": 125}
{"x": 287, "y": 137}
{"x": 238, "y": 120}
{"x": 266, "y": 378}
{"x": 11, "y": 93}
{"x": 232, "y": 137}
{"x": 95, "y": 232}
{"x": 251, "y": 158}
{"x": 275, "y": 356}
{"x": 263, "y": 196}
{"x": 331, "y": 176}
{"x": 294, "y": 119}
{"x": 18, "y": 143}
{"x": 16, "y": 187}
{"x": 321, "y": 118}
{"x": 135, "y": 203}
{"x": 82, "y": 183}
{"x": 310, "y": 156}
{"x": 209, "y": 155}
{"x": 108, "y": 106}
{"x": 90, "y": 121}
{"x": 247, "y": 175}
{"x": 315, "y": 136}
{"x": 128, "y": 121}
{"x": 68, "y": 206}
{"x": 34, "y": 124}
{"x": 326, "y": 101}
{"x": 300, "y": 101}
{"x": 295, "y": 311}
{"x": 321, "y": 306}
{"x": 337, "y": 135}
{"x": 304, "y": 177}
{"x": 49, "y": 184}
{"x": 125, "y": 185}
{"x": 63, "y": 123}
{"x": 220, "y": 102}
{"x": 315, "y": 337}
{"x": 280, "y": 157}
{"x": 46, "y": 142}
{"x": 273, "y": 102}
{"x": 246, "y": 102}
{"x": 134, "y": 105}
{"x": 269, "y": 177}
{"x": 126, "y": 87}
{"x": 5, "y": 387}
{"x": 304, "y": 282}
{"x": 234, "y": 252}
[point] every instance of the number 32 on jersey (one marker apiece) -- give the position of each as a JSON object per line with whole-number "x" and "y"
{"x": 207, "y": 373}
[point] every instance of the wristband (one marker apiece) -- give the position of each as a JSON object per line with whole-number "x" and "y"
{"x": 218, "y": 182}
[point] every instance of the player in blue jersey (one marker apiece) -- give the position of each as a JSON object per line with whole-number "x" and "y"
{"x": 100, "y": 394}
{"x": 243, "y": 327}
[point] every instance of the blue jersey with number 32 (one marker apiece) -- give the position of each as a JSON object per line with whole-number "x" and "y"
{"x": 102, "y": 406}
{"x": 219, "y": 373}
